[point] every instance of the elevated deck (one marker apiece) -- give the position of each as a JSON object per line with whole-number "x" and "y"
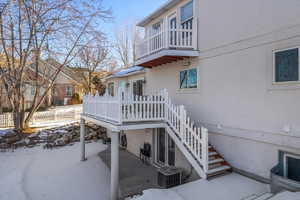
{"x": 129, "y": 112}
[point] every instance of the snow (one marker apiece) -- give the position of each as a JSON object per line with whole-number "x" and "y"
{"x": 233, "y": 187}
{"x": 127, "y": 71}
{"x": 287, "y": 196}
{"x": 53, "y": 124}
{"x": 35, "y": 174}
{"x": 159, "y": 194}
{"x": 5, "y": 131}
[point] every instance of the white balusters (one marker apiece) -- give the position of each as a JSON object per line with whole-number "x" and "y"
{"x": 131, "y": 108}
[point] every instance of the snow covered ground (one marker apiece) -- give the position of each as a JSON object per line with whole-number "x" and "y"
{"x": 35, "y": 174}
{"x": 38, "y": 174}
{"x": 230, "y": 187}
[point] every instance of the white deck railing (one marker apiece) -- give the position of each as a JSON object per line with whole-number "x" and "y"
{"x": 166, "y": 38}
{"x": 124, "y": 108}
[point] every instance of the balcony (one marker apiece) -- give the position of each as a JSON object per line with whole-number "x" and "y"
{"x": 167, "y": 45}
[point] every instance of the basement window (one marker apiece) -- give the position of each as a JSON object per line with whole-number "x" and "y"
{"x": 286, "y": 66}
{"x": 291, "y": 165}
{"x": 188, "y": 78}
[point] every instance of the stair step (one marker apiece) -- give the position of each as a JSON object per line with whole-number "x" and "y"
{"x": 212, "y": 153}
{"x": 218, "y": 169}
{"x": 215, "y": 161}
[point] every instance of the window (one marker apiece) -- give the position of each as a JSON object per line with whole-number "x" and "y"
{"x": 42, "y": 91}
{"x": 291, "y": 166}
{"x": 286, "y": 65}
{"x": 188, "y": 79}
{"x": 111, "y": 89}
{"x": 186, "y": 11}
{"x": 138, "y": 87}
{"x": 32, "y": 90}
{"x": 156, "y": 28}
{"x": 69, "y": 91}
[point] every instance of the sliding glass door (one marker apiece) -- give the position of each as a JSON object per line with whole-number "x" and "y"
{"x": 165, "y": 148}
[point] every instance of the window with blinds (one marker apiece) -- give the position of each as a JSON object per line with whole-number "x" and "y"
{"x": 287, "y": 65}
{"x": 138, "y": 87}
{"x": 188, "y": 78}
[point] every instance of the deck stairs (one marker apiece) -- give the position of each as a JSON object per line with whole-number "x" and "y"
{"x": 217, "y": 165}
{"x": 192, "y": 140}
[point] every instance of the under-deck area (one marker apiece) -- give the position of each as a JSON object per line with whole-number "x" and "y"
{"x": 135, "y": 176}
{"x": 125, "y": 112}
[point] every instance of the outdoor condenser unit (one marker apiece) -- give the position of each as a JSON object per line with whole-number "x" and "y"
{"x": 169, "y": 177}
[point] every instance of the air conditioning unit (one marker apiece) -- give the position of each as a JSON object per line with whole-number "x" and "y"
{"x": 169, "y": 177}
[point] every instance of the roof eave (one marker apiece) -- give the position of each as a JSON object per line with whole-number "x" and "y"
{"x": 165, "y": 7}
{"x": 126, "y": 75}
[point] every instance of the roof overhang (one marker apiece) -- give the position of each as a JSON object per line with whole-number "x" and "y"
{"x": 165, "y": 57}
{"x": 126, "y": 75}
{"x": 165, "y": 7}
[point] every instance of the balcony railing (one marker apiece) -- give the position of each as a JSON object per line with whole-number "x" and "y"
{"x": 124, "y": 108}
{"x": 167, "y": 38}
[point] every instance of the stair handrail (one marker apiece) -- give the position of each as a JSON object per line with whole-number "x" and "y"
{"x": 194, "y": 138}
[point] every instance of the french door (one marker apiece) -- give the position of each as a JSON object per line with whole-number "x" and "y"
{"x": 172, "y": 28}
{"x": 165, "y": 148}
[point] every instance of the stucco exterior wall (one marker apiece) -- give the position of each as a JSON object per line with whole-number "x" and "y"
{"x": 236, "y": 96}
{"x": 137, "y": 138}
{"x": 127, "y": 79}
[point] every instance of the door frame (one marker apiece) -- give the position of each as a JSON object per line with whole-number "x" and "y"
{"x": 171, "y": 17}
{"x": 135, "y": 80}
{"x": 167, "y": 137}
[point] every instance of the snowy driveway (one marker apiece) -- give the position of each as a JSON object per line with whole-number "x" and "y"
{"x": 35, "y": 174}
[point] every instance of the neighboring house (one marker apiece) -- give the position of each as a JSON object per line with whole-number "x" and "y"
{"x": 235, "y": 69}
{"x": 66, "y": 85}
{"x": 87, "y": 78}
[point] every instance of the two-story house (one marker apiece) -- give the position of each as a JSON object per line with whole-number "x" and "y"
{"x": 229, "y": 66}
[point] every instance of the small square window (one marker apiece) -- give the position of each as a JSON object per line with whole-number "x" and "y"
{"x": 69, "y": 91}
{"x": 291, "y": 166}
{"x": 188, "y": 79}
{"x": 287, "y": 65}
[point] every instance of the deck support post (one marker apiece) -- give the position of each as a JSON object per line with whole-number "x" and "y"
{"x": 114, "y": 179}
{"x": 82, "y": 139}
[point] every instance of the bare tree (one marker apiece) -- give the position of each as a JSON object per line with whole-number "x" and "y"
{"x": 92, "y": 58}
{"x": 31, "y": 31}
{"x": 127, "y": 38}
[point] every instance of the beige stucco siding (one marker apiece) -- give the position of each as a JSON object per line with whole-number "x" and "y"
{"x": 236, "y": 96}
{"x": 137, "y": 138}
{"x": 225, "y": 22}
